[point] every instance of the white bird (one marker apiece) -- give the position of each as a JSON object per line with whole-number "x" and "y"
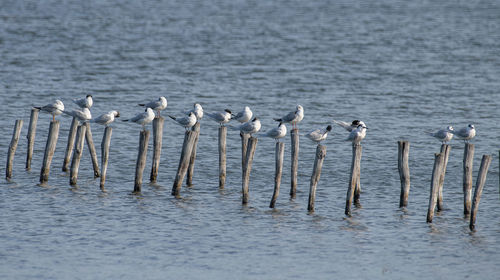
{"x": 54, "y": 109}
{"x": 186, "y": 122}
{"x": 293, "y": 117}
{"x": 220, "y": 117}
{"x": 156, "y": 105}
{"x": 277, "y": 132}
{"x": 84, "y": 102}
{"x": 357, "y": 135}
{"x": 82, "y": 115}
{"x": 197, "y": 110}
{"x": 465, "y": 133}
{"x": 143, "y": 118}
{"x": 244, "y": 115}
{"x": 443, "y": 135}
{"x": 107, "y": 118}
{"x": 349, "y": 126}
{"x": 319, "y": 135}
{"x": 250, "y": 127}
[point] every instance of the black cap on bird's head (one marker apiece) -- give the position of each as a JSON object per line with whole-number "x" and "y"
{"x": 88, "y": 95}
{"x": 355, "y": 122}
{"x": 255, "y": 119}
{"x": 471, "y": 125}
{"x": 117, "y": 115}
{"x": 329, "y": 128}
{"x": 228, "y": 111}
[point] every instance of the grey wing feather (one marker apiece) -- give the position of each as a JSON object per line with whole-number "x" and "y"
{"x": 345, "y": 125}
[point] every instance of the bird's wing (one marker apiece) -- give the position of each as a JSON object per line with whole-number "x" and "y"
{"x": 137, "y": 117}
{"x": 345, "y": 125}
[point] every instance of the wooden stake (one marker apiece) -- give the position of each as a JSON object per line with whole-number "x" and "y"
{"x": 71, "y": 143}
{"x": 467, "y": 177}
{"x": 279, "y": 156}
{"x": 50, "y": 148}
{"x": 105, "y": 143}
{"x": 445, "y": 150}
{"x": 481, "y": 179}
{"x": 318, "y": 164}
{"x": 190, "y": 171}
{"x": 355, "y": 171}
{"x": 77, "y": 153}
{"x": 93, "y": 154}
{"x": 12, "y": 148}
{"x": 294, "y": 134}
{"x": 31, "y": 136}
{"x": 184, "y": 162}
{"x": 436, "y": 173}
{"x": 222, "y": 156}
{"x": 244, "y": 142}
{"x": 141, "y": 160}
{"x": 157, "y": 144}
{"x": 404, "y": 172}
{"x": 247, "y": 167}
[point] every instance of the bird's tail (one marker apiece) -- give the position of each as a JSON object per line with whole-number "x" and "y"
{"x": 278, "y": 119}
{"x": 66, "y": 112}
{"x": 172, "y": 117}
{"x": 140, "y": 104}
{"x": 39, "y": 108}
{"x": 125, "y": 120}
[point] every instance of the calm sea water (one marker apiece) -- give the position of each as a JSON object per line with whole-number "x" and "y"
{"x": 404, "y": 67}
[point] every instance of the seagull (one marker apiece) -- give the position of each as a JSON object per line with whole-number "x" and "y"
{"x": 244, "y": 115}
{"x": 465, "y": 133}
{"x": 107, "y": 118}
{"x": 278, "y": 132}
{"x": 220, "y": 117}
{"x": 143, "y": 118}
{"x": 197, "y": 110}
{"x": 349, "y": 127}
{"x": 186, "y": 122}
{"x": 319, "y": 135}
{"x": 84, "y": 102}
{"x": 250, "y": 127}
{"x": 357, "y": 135}
{"x": 293, "y": 117}
{"x": 54, "y": 109}
{"x": 444, "y": 135}
{"x": 82, "y": 115}
{"x": 156, "y": 105}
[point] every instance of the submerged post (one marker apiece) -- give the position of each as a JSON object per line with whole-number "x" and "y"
{"x": 77, "y": 154}
{"x": 93, "y": 154}
{"x": 12, "y": 148}
{"x": 31, "y": 136}
{"x": 279, "y": 155}
{"x": 436, "y": 173}
{"x": 445, "y": 150}
{"x": 71, "y": 143}
{"x": 157, "y": 143}
{"x": 141, "y": 160}
{"x": 353, "y": 180}
{"x": 404, "y": 172}
{"x": 105, "y": 143}
{"x": 190, "y": 171}
{"x": 318, "y": 164}
{"x": 222, "y": 156}
{"x": 184, "y": 161}
{"x": 247, "y": 167}
{"x": 467, "y": 177}
{"x": 294, "y": 134}
{"x": 481, "y": 179}
{"x": 50, "y": 148}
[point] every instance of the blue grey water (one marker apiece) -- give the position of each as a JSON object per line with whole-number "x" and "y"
{"x": 404, "y": 67}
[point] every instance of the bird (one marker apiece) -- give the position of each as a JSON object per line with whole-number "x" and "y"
{"x": 54, "y": 109}
{"x": 220, "y": 117}
{"x": 250, "y": 127}
{"x": 197, "y": 110}
{"x": 82, "y": 115}
{"x": 106, "y": 118}
{"x": 143, "y": 118}
{"x": 349, "y": 126}
{"x": 278, "y": 132}
{"x": 293, "y": 117}
{"x": 186, "y": 122}
{"x": 244, "y": 115}
{"x": 466, "y": 133}
{"x": 319, "y": 135}
{"x": 84, "y": 102}
{"x": 357, "y": 134}
{"x": 444, "y": 135}
{"x": 156, "y": 105}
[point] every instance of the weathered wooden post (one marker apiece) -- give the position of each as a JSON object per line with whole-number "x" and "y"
{"x": 247, "y": 167}
{"x": 353, "y": 180}
{"x": 436, "y": 173}
{"x": 105, "y": 143}
{"x": 445, "y": 150}
{"x": 71, "y": 143}
{"x": 481, "y": 179}
{"x": 187, "y": 149}
{"x": 93, "y": 154}
{"x": 157, "y": 144}
{"x": 294, "y": 134}
{"x": 141, "y": 160}
{"x": 190, "y": 171}
{"x": 77, "y": 154}
{"x": 404, "y": 172}
{"x": 50, "y": 148}
{"x": 279, "y": 156}
{"x": 222, "y": 156}
{"x": 12, "y": 148}
{"x": 467, "y": 177}
{"x": 318, "y": 164}
{"x": 31, "y": 136}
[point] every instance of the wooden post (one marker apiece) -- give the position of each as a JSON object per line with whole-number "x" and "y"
{"x": 50, "y": 148}
{"x": 467, "y": 177}
{"x": 355, "y": 171}
{"x": 157, "y": 143}
{"x": 105, "y": 143}
{"x": 185, "y": 160}
{"x": 279, "y": 156}
{"x": 244, "y": 143}
{"x": 247, "y": 167}
{"x": 357, "y": 189}
{"x": 141, "y": 160}
{"x": 445, "y": 150}
{"x": 481, "y": 179}
{"x": 77, "y": 154}
{"x": 71, "y": 143}
{"x": 404, "y": 172}
{"x": 93, "y": 154}
{"x": 294, "y": 134}
{"x": 318, "y": 164}
{"x": 222, "y": 156}
{"x": 436, "y": 173}
{"x": 31, "y": 136}
{"x": 12, "y": 148}
{"x": 190, "y": 171}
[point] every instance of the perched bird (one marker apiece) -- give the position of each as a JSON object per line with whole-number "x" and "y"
{"x": 107, "y": 118}
{"x": 82, "y": 115}
{"x": 349, "y": 126}
{"x": 156, "y": 105}
{"x": 54, "y": 109}
{"x": 220, "y": 117}
{"x": 244, "y": 115}
{"x": 293, "y": 117}
{"x": 186, "y": 122}
{"x": 465, "y": 133}
{"x": 143, "y": 118}
{"x": 319, "y": 135}
{"x": 357, "y": 135}
{"x": 197, "y": 110}
{"x": 278, "y": 132}
{"x": 444, "y": 135}
{"x": 84, "y": 102}
{"x": 250, "y": 127}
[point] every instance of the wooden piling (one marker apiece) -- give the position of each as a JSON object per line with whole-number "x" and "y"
{"x": 244, "y": 142}
{"x": 481, "y": 179}
{"x": 353, "y": 180}
{"x": 445, "y": 150}
{"x": 404, "y": 172}
{"x": 294, "y": 135}
{"x": 77, "y": 153}
{"x": 279, "y": 156}
{"x": 12, "y": 148}
{"x": 50, "y": 148}
{"x": 247, "y": 167}
{"x": 184, "y": 161}
{"x": 318, "y": 164}
{"x": 190, "y": 171}
{"x": 105, "y": 143}
{"x": 141, "y": 160}
{"x": 436, "y": 173}
{"x": 71, "y": 143}
{"x": 157, "y": 144}
{"x": 222, "y": 156}
{"x": 467, "y": 176}
{"x": 93, "y": 153}
{"x": 31, "y": 136}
